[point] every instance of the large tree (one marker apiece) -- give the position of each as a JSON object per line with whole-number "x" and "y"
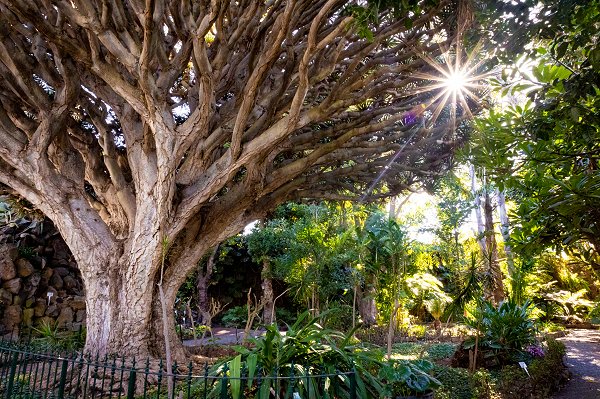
{"x": 151, "y": 131}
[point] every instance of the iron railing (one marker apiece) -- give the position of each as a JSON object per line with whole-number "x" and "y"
{"x": 26, "y": 373}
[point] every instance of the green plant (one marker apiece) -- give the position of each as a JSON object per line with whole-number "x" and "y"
{"x": 285, "y": 316}
{"x": 48, "y": 336}
{"x": 440, "y": 351}
{"x": 456, "y": 383}
{"x": 503, "y": 331}
{"x": 305, "y": 348}
{"x": 546, "y": 375}
{"x": 404, "y": 377}
{"x": 235, "y": 317}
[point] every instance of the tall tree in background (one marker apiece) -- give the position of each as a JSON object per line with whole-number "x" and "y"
{"x": 128, "y": 123}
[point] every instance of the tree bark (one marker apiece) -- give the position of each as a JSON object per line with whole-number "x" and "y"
{"x": 477, "y": 207}
{"x": 202, "y": 283}
{"x": 368, "y": 308}
{"x": 267, "y": 294}
{"x": 505, "y": 230}
{"x": 497, "y": 287}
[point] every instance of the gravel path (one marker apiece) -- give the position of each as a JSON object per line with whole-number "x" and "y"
{"x": 583, "y": 359}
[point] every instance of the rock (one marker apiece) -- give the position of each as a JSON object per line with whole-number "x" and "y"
{"x": 33, "y": 281}
{"x": 5, "y": 297}
{"x": 7, "y": 269}
{"x": 52, "y": 311}
{"x": 37, "y": 260}
{"x": 28, "y": 317}
{"x": 17, "y": 300}
{"x": 29, "y": 303}
{"x": 24, "y": 267}
{"x": 80, "y": 315}
{"x": 62, "y": 271}
{"x": 13, "y": 286}
{"x": 56, "y": 281}
{"x": 61, "y": 251}
{"x": 65, "y": 318}
{"x": 77, "y": 304}
{"x": 39, "y": 308}
{"x": 12, "y": 317}
{"x": 69, "y": 282}
{"x": 10, "y": 251}
{"x": 47, "y": 274}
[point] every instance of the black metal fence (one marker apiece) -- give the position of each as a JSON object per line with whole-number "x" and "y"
{"x": 36, "y": 374}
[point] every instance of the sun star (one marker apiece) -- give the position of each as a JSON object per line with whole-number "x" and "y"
{"x": 456, "y": 81}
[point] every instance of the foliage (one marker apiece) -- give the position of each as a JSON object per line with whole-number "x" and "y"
{"x": 235, "y": 317}
{"x": 545, "y": 150}
{"x": 573, "y": 304}
{"x": 456, "y": 383}
{"x": 48, "y": 336}
{"x": 503, "y": 331}
{"x": 305, "y": 348}
{"x": 404, "y": 378}
{"x": 440, "y": 351}
{"x": 546, "y": 375}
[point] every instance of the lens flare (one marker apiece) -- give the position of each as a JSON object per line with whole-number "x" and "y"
{"x": 456, "y": 82}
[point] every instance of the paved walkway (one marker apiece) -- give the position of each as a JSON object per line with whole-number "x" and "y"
{"x": 583, "y": 359}
{"x": 222, "y": 336}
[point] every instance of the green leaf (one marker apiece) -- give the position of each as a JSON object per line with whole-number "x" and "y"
{"x": 251, "y": 362}
{"x": 235, "y": 370}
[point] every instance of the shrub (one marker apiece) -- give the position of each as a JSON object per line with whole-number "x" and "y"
{"x": 404, "y": 378}
{"x": 440, "y": 351}
{"x": 456, "y": 383}
{"x": 546, "y": 375}
{"x": 285, "y": 316}
{"x": 235, "y": 317}
{"x": 305, "y": 348}
{"x": 339, "y": 316}
{"x": 549, "y": 373}
{"x": 504, "y": 331}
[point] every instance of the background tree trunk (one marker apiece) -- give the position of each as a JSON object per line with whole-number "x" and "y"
{"x": 368, "y": 308}
{"x": 497, "y": 288}
{"x": 202, "y": 283}
{"x": 477, "y": 207}
{"x": 505, "y": 231}
{"x": 267, "y": 294}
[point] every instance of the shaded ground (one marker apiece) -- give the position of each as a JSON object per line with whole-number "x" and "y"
{"x": 583, "y": 359}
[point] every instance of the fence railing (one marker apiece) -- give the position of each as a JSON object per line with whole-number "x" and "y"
{"x": 26, "y": 373}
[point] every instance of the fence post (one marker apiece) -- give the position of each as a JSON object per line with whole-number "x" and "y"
{"x": 223, "y": 394}
{"x": 11, "y": 377}
{"x": 131, "y": 384}
{"x": 353, "y": 383}
{"x": 63, "y": 379}
{"x": 189, "y": 380}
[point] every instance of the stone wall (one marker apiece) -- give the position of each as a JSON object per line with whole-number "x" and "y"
{"x": 39, "y": 280}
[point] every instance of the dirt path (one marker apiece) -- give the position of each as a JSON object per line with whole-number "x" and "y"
{"x": 583, "y": 359}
